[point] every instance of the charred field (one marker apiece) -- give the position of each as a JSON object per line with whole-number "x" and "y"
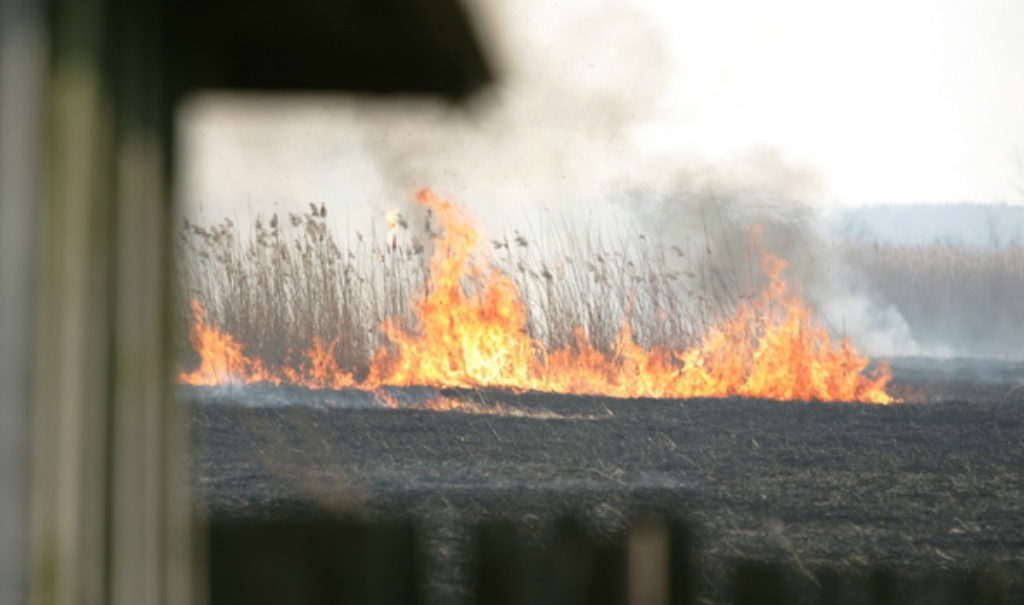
{"x": 299, "y": 382}
{"x": 936, "y": 482}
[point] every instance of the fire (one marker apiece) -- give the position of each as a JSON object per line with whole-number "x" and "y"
{"x": 471, "y": 331}
{"x": 320, "y": 370}
{"x": 465, "y": 336}
{"x": 394, "y": 220}
{"x": 223, "y": 360}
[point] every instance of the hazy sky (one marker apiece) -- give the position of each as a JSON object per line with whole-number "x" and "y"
{"x": 832, "y": 103}
{"x": 905, "y": 100}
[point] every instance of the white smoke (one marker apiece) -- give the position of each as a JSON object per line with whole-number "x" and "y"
{"x": 709, "y": 209}
{"x": 568, "y": 126}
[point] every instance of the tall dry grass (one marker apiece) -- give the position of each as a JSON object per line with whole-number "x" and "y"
{"x": 286, "y": 281}
{"x": 969, "y": 299}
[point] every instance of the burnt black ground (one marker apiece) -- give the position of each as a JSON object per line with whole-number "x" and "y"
{"x": 936, "y": 482}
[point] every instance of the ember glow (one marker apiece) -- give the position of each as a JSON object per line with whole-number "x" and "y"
{"x": 471, "y": 331}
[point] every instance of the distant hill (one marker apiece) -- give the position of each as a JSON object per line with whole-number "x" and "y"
{"x": 983, "y": 225}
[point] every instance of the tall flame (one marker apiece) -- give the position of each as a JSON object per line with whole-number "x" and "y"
{"x": 467, "y": 334}
{"x": 470, "y": 331}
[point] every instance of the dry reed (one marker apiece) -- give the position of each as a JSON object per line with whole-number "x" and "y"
{"x": 969, "y": 299}
{"x": 287, "y": 282}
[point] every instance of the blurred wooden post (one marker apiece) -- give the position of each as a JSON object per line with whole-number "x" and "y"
{"x": 23, "y": 43}
{"x": 759, "y": 583}
{"x": 585, "y": 570}
{"x": 683, "y": 564}
{"x": 986, "y": 587}
{"x": 150, "y": 540}
{"x": 110, "y": 515}
{"x": 315, "y": 561}
{"x": 882, "y": 587}
{"x": 90, "y": 436}
{"x": 501, "y": 566}
{"x": 829, "y": 587}
{"x": 70, "y": 457}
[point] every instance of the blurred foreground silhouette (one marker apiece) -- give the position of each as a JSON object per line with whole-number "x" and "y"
{"x": 93, "y": 505}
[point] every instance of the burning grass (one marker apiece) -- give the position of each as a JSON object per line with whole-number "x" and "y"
{"x": 290, "y": 282}
{"x": 634, "y": 329}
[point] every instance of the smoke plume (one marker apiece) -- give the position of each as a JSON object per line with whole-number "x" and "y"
{"x": 567, "y": 129}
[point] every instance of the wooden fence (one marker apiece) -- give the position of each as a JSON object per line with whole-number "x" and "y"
{"x": 320, "y": 561}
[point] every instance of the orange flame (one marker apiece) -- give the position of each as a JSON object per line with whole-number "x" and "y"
{"x": 393, "y": 219}
{"x": 463, "y": 337}
{"x": 470, "y": 331}
{"x": 320, "y": 370}
{"x": 223, "y": 360}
